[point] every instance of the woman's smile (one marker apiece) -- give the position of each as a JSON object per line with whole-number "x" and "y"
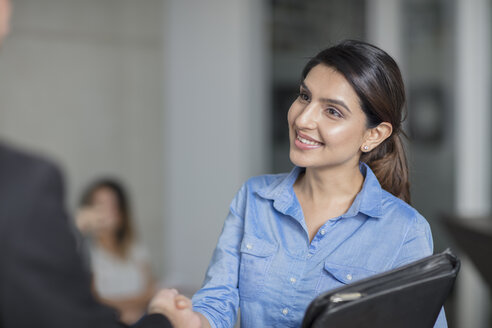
{"x": 305, "y": 142}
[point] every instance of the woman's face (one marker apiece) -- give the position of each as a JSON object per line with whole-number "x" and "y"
{"x": 327, "y": 127}
{"x": 105, "y": 202}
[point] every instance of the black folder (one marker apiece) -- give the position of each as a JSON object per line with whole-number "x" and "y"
{"x": 409, "y": 296}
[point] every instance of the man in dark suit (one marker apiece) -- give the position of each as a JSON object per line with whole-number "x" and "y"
{"x": 42, "y": 280}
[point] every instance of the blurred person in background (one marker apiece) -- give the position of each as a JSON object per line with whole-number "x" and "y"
{"x": 43, "y": 282}
{"x": 340, "y": 215}
{"x": 5, "y": 12}
{"x": 121, "y": 269}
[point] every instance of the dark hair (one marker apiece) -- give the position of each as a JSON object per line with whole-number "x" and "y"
{"x": 125, "y": 233}
{"x": 377, "y": 80}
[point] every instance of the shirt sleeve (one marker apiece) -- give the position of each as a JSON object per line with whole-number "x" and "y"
{"x": 441, "y": 320}
{"x": 418, "y": 244}
{"x": 218, "y": 299}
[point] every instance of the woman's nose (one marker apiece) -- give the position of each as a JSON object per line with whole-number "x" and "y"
{"x": 308, "y": 117}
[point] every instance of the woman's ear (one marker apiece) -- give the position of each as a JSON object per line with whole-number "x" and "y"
{"x": 376, "y": 136}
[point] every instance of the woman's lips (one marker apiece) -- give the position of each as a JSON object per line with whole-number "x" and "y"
{"x": 304, "y": 142}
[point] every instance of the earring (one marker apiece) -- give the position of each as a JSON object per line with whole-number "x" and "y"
{"x": 366, "y": 147}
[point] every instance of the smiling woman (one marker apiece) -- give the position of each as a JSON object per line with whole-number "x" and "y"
{"x": 339, "y": 216}
{"x": 327, "y": 116}
{"x": 376, "y": 80}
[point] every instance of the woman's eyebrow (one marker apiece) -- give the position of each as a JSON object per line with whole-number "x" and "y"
{"x": 336, "y": 102}
{"x": 329, "y": 100}
{"x": 304, "y": 86}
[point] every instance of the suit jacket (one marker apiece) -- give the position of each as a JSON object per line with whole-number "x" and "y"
{"x": 43, "y": 282}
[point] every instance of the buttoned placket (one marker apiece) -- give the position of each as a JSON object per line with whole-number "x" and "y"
{"x": 322, "y": 232}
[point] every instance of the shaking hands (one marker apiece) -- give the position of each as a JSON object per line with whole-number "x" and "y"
{"x": 176, "y": 307}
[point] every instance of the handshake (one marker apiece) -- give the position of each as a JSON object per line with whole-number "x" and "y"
{"x": 176, "y": 307}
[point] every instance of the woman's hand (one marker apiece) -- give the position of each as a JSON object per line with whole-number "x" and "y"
{"x": 177, "y": 308}
{"x": 91, "y": 220}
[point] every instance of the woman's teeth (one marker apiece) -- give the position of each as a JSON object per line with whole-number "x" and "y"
{"x": 308, "y": 142}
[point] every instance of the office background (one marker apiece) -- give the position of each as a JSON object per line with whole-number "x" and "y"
{"x": 185, "y": 99}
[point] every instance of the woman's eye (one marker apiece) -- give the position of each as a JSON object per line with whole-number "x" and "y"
{"x": 303, "y": 96}
{"x": 334, "y": 112}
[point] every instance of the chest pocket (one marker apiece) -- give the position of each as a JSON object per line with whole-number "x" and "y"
{"x": 335, "y": 275}
{"x": 256, "y": 257}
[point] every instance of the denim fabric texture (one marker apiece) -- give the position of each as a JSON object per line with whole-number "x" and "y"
{"x": 265, "y": 265}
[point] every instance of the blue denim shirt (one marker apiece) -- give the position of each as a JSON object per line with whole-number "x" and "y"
{"x": 265, "y": 264}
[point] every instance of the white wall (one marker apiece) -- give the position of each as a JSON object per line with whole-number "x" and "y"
{"x": 214, "y": 128}
{"x": 384, "y": 27}
{"x": 81, "y": 82}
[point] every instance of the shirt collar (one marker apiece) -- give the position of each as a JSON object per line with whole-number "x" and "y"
{"x": 368, "y": 200}
{"x": 282, "y": 194}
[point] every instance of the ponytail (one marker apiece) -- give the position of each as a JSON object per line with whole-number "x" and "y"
{"x": 389, "y": 163}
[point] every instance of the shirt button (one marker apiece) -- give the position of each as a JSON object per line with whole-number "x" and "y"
{"x": 323, "y": 232}
{"x": 349, "y": 277}
{"x": 309, "y": 256}
{"x": 249, "y": 246}
{"x": 285, "y": 311}
{"x": 293, "y": 280}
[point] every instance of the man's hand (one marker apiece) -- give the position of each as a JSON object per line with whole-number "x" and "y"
{"x": 177, "y": 308}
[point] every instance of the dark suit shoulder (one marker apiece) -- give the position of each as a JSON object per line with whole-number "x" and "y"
{"x": 25, "y": 174}
{"x": 16, "y": 160}
{"x": 27, "y": 180}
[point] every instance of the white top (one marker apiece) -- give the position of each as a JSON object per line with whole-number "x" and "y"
{"x": 116, "y": 277}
